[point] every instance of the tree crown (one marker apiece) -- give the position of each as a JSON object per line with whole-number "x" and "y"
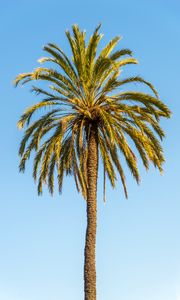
{"x": 86, "y": 92}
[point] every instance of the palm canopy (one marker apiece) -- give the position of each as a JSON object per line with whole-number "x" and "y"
{"x": 84, "y": 92}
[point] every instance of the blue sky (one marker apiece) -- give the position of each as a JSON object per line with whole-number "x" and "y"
{"x": 42, "y": 238}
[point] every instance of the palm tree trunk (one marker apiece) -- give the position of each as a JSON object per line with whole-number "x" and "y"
{"x": 90, "y": 246}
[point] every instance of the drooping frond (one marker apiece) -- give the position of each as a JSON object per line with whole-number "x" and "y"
{"x": 83, "y": 91}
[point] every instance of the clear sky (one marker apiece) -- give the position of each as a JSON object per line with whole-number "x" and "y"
{"x": 42, "y": 238}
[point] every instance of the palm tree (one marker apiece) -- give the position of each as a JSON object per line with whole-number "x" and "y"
{"x": 90, "y": 117}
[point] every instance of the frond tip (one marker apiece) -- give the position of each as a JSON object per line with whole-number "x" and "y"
{"x": 20, "y": 78}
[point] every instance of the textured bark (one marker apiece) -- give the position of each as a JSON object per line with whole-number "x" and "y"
{"x": 90, "y": 246}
